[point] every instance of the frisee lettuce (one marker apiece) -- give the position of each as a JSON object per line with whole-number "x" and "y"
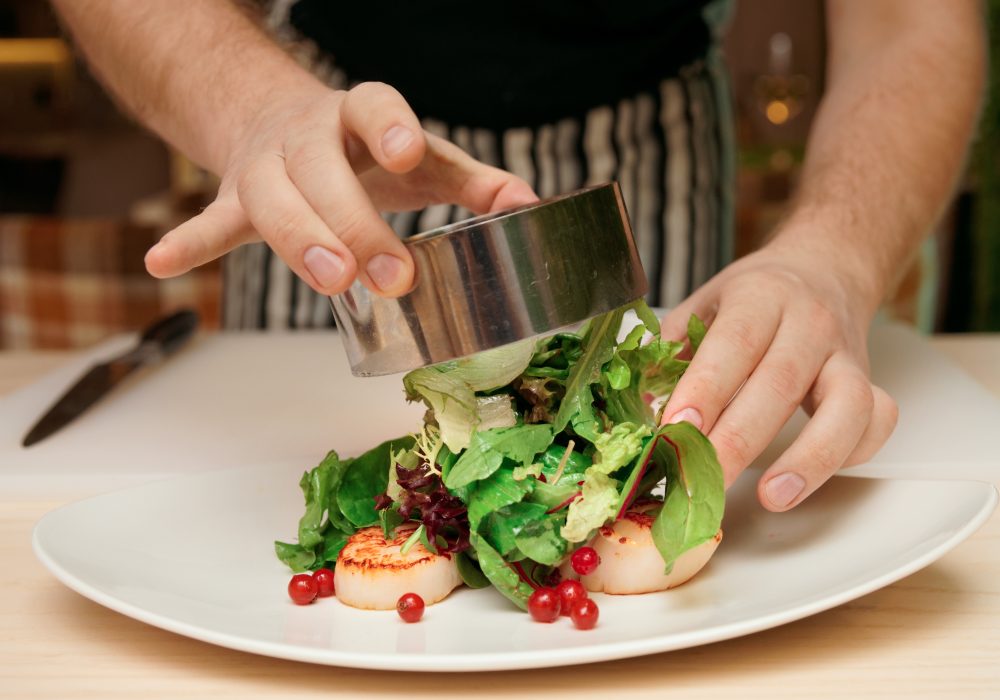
{"x": 495, "y": 444}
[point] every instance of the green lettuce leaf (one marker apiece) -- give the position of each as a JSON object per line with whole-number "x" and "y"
{"x": 619, "y": 446}
{"x": 597, "y": 505}
{"x": 449, "y": 388}
{"x": 489, "y": 448}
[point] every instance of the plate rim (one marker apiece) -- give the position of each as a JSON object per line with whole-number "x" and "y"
{"x": 514, "y": 660}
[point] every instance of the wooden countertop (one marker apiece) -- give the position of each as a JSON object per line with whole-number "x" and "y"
{"x": 933, "y": 634}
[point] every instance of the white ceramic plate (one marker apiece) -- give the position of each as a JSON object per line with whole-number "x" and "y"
{"x": 193, "y": 555}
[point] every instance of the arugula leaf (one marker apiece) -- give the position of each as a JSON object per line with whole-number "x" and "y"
{"x": 493, "y": 493}
{"x": 599, "y": 345}
{"x": 488, "y": 449}
{"x": 366, "y": 477}
{"x": 500, "y": 574}
{"x": 647, "y": 316}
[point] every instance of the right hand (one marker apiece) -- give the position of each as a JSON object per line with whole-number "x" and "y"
{"x": 310, "y": 174}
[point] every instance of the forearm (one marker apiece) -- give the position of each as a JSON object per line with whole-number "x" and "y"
{"x": 196, "y": 73}
{"x": 904, "y": 88}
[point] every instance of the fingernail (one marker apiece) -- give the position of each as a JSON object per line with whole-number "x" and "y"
{"x": 395, "y": 140}
{"x": 784, "y": 488}
{"x": 325, "y": 267}
{"x": 385, "y": 269}
{"x": 691, "y": 415}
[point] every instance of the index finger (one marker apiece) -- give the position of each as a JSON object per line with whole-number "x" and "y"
{"x": 732, "y": 348}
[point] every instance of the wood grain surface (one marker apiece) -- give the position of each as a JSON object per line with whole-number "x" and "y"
{"x": 935, "y": 634}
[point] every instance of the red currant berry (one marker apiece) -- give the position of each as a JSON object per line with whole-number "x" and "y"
{"x": 569, "y": 592}
{"x": 544, "y": 605}
{"x": 585, "y": 560}
{"x": 324, "y": 583}
{"x": 584, "y": 614}
{"x": 302, "y": 589}
{"x": 410, "y": 607}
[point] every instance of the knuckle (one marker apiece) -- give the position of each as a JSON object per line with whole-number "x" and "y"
{"x": 821, "y": 319}
{"x": 703, "y": 386}
{"x": 371, "y": 89}
{"x": 859, "y": 394}
{"x": 285, "y": 226}
{"x": 735, "y": 452}
{"x": 742, "y": 336}
{"x": 786, "y": 381}
{"x": 306, "y": 156}
{"x": 823, "y": 456}
{"x": 887, "y": 407}
{"x": 354, "y": 227}
{"x": 249, "y": 179}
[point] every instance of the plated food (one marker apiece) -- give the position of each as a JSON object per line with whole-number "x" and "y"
{"x": 537, "y": 463}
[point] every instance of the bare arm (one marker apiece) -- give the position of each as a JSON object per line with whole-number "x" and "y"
{"x": 791, "y": 320}
{"x": 196, "y": 76}
{"x": 905, "y": 85}
{"x": 304, "y": 167}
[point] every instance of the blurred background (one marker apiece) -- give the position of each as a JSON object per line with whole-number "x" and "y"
{"x": 84, "y": 192}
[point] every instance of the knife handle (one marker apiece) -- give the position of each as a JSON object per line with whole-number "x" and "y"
{"x": 171, "y": 332}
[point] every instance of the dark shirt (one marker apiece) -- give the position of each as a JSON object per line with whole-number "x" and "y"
{"x": 508, "y": 64}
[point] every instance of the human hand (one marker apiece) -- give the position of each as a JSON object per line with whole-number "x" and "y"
{"x": 788, "y": 326}
{"x": 310, "y": 174}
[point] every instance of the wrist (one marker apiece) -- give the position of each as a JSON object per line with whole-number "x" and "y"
{"x": 825, "y": 245}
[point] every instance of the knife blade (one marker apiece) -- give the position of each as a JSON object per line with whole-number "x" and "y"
{"x": 161, "y": 339}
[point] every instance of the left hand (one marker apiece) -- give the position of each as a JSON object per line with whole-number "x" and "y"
{"x": 787, "y": 327}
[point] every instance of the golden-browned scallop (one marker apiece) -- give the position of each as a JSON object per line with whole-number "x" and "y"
{"x": 373, "y": 573}
{"x": 630, "y": 562}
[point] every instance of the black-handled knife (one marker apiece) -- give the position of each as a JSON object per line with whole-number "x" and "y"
{"x": 161, "y": 339}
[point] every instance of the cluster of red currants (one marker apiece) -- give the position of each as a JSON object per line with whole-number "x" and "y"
{"x": 569, "y": 598}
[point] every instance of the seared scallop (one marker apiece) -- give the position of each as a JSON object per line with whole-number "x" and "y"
{"x": 373, "y": 573}
{"x": 630, "y": 562}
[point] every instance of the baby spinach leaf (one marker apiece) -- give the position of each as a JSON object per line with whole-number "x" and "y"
{"x": 539, "y": 540}
{"x": 367, "y": 477}
{"x": 295, "y": 556}
{"x": 501, "y": 527}
{"x": 470, "y": 572}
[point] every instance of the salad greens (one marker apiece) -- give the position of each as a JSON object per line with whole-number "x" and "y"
{"x": 525, "y": 452}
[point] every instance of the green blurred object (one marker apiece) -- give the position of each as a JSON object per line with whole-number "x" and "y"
{"x": 985, "y": 256}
